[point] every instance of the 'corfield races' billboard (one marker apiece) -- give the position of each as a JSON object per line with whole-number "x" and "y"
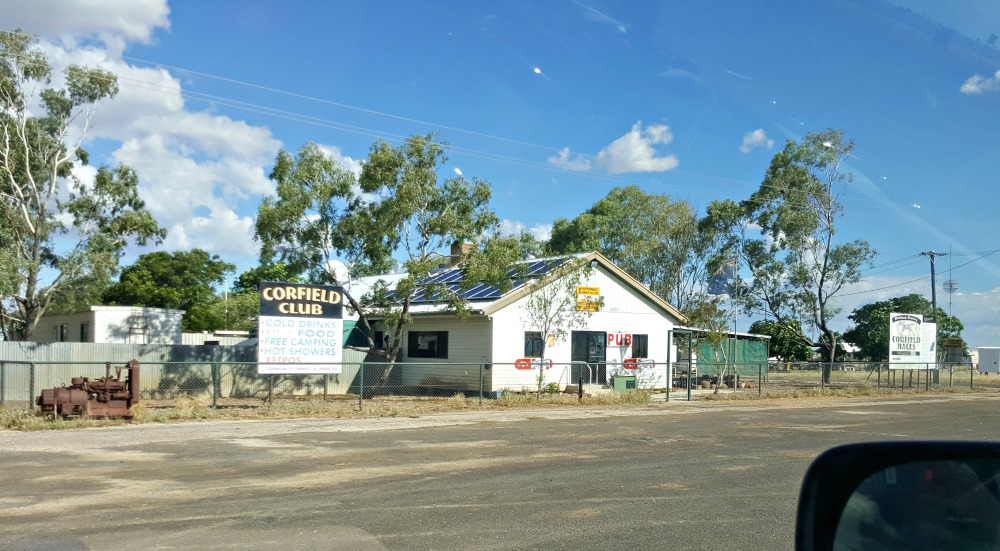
{"x": 301, "y": 329}
{"x": 912, "y": 342}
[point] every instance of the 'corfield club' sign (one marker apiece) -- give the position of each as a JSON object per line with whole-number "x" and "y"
{"x": 301, "y": 329}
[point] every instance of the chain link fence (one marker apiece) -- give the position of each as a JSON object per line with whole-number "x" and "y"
{"x": 238, "y": 384}
{"x": 819, "y": 375}
{"x": 229, "y": 384}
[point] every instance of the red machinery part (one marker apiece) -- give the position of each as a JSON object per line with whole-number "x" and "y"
{"x": 101, "y": 398}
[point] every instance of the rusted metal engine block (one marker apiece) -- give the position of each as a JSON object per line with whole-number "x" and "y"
{"x": 101, "y": 398}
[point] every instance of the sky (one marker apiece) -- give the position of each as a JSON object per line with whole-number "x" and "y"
{"x": 555, "y": 103}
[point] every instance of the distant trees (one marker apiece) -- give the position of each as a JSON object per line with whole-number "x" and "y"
{"x": 56, "y": 228}
{"x": 180, "y": 280}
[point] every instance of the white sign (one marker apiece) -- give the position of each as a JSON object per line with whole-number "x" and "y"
{"x": 928, "y": 345}
{"x": 912, "y": 343}
{"x": 300, "y": 329}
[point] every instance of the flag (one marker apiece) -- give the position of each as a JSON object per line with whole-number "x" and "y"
{"x": 721, "y": 282}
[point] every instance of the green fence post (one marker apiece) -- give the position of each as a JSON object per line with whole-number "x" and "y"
{"x": 31, "y": 386}
{"x": 480, "y": 385}
{"x": 361, "y": 386}
{"x": 760, "y": 379}
{"x": 270, "y": 390}
{"x": 216, "y": 383}
{"x": 3, "y": 382}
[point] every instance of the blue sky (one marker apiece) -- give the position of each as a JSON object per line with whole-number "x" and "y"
{"x": 557, "y": 102}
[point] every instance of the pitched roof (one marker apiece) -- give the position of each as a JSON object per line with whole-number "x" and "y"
{"x": 489, "y": 299}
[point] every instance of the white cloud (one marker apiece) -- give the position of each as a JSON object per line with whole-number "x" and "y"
{"x": 979, "y": 312}
{"x": 977, "y": 84}
{"x": 563, "y": 161}
{"x": 203, "y": 232}
{"x": 541, "y": 232}
{"x": 349, "y": 163}
{"x": 755, "y": 139}
{"x": 633, "y": 152}
{"x": 114, "y": 22}
{"x": 176, "y": 185}
{"x": 201, "y": 174}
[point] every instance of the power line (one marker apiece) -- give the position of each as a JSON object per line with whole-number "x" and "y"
{"x": 341, "y": 126}
{"x": 982, "y": 256}
{"x": 298, "y": 117}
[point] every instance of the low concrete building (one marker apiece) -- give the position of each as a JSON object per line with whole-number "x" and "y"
{"x": 113, "y": 324}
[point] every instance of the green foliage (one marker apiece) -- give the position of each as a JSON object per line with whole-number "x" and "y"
{"x": 645, "y": 234}
{"x": 397, "y": 209}
{"x": 53, "y": 225}
{"x": 707, "y": 314}
{"x": 178, "y": 280}
{"x": 20, "y": 419}
{"x": 79, "y": 294}
{"x": 530, "y": 246}
{"x": 788, "y": 343}
{"x": 870, "y": 331}
{"x": 249, "y": 281}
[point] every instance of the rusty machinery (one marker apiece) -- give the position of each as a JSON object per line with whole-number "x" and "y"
{"x": 105, "y": 397}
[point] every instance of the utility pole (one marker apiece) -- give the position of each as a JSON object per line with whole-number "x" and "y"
{"x": 933, "y": 254}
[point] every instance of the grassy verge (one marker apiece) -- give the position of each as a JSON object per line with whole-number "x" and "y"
{"x": 837, "y": 392}
{"x": 194, "y": 409}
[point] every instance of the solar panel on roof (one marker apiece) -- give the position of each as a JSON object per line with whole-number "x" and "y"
{"x": 451, "y": 278}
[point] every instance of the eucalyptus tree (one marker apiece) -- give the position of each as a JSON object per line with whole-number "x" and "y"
{"x": 56, "y": 227}
{"x": 397, "y": 211}
{"x": 646, "y": 234}
{"x": 787, "y": 343}
{"x": 785, "y": 234}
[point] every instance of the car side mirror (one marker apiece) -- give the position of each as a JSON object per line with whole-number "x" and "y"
{"x": 901, "y": 495}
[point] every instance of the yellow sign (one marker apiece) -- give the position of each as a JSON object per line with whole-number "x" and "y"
{"x": 588, "y": 299}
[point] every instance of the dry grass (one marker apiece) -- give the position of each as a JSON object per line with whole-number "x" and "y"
{"x": 200, "y": 408}
{"x": 863, "y": 390}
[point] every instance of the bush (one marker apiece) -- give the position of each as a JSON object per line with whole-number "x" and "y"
{"x": 20, "y": 419}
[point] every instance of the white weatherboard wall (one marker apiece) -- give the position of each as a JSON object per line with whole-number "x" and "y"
{"x": 468, "y": 347}
{"x": 624, "y": 311}
{"x": 115, "y": 324}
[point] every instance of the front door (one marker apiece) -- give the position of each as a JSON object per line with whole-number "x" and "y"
{"x": 589, "y": 357}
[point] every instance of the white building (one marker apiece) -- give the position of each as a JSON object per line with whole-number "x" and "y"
{"x": 628, "y": 332}
{"x": 112, "y": 324}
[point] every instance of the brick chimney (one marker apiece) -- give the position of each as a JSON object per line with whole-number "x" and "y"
{"x": 458, "y": 250}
